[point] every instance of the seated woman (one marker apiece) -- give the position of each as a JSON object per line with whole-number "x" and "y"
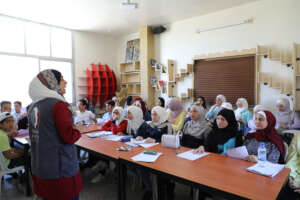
{"x": 201, "y": 102}
{"x": 197, "y": 129}
{"x": 118, "y": 124}
{"x": 251, "y": 122}
{"x": 135, "y": 121}
{"x": 157, "y": 127}
{"x": 161, "y": 102}
{"x": 242, "y": 114}
{"x": 224, "y": 134}
{"x": 295, "y": 121}
{"x": 176, "y": 116}
{"x": 154, "y": 131}
{"x": 212, "y": 113}
{"x": 84, "y": 116}
{"x": 293, "y": 162}
{"x": 140, "y": 103}
{"x": 265, "y": 132}
{"x": 283, "y": 115}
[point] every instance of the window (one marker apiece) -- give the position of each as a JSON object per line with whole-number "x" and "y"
{"x": 25, "y": 49}
{"x": 37, "y": 39}
{"x": 11, "y": 35}
{"x": 61, "y": 43}
{"x": 17, "y": 72}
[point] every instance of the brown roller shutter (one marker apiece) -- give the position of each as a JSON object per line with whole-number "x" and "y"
{"x": 234, "y": 78}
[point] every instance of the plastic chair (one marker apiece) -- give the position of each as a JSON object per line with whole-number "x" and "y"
{"x": 5, "y": 170}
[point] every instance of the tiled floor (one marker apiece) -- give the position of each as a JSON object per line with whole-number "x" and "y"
{"x": 104, "y": 190}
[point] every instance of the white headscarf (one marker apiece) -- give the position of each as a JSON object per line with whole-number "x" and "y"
{"x": 283, "y": 117}
{"x": 227, "y": 105}
{"x": 221, "y": 97}
{"x": 162, "y": 113}
{"x": 244, "y": 107}
{"x": 137, "y": 120}
{"x": 251, "y": 123}
{"x": 121, "y": 113}
{"x": 38, "y": 91}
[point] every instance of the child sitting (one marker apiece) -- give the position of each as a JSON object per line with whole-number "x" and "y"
{"x": 117, "y": 124}
{"x": 13, "y": 157}
{"x": 84, "y": 116}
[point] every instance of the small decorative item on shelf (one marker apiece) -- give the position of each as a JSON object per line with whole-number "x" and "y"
{"x": 158, "y": 67}
{"x": 153, "y": 63}
{"x": 162, "y": 86}
{"x": 164, "y": 69}
{"x": 153, "y": 81}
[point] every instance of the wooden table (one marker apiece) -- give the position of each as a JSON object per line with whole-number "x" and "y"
{"x": 214, "y": 173}
{"x": 108, "y": 150}
{"x": 90, "y": 128}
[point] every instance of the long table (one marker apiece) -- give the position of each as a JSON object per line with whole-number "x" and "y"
{"x": 214, "y": 173}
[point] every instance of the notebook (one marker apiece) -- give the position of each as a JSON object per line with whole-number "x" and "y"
{"x": 266, "y": 169}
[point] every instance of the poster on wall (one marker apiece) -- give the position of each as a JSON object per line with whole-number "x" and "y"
{"x": 132, "y": 50}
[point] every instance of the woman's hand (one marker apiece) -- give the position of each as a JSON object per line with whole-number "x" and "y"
{"x": 251, "y": 158}
{"x": 149, "y": 140}
{"x": 139, "y": 138}
{"x": 199, "y": 150}
{"x": 281, "y": 125}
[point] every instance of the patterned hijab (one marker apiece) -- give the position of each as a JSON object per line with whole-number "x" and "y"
{"x": 46, "y": 85}
{"x": 176, "y": 108}
{"x": 269, "y": 134}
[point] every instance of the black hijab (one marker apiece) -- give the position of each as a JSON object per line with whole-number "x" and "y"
{"x": 222, "y": 135}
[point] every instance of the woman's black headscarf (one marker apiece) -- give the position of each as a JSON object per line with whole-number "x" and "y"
{"x": 222, "y": 135}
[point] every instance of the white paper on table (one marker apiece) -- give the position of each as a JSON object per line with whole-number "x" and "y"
{"x": 239, "y": 152}
{"x": 267, "y": 168}
{"x": 137, "y": 141}
{"x": 291, "y": 131}
{"x": 141, "y": 157}
{"x": 99, "y": 134}
{"x": 114, "y": 137}
{"x": 189, "y": 155}
{"x": 148, "y": 145}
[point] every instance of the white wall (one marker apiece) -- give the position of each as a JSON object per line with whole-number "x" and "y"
{"x": 275, "y": 22}
{"x": 92, "y": 48}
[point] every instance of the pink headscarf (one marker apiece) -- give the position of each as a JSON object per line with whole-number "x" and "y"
{"x": 176, "y": 108}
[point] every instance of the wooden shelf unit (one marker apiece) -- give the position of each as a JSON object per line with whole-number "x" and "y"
{"x": 131, "y": 78}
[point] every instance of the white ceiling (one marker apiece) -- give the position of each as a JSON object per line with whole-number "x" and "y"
{"x": 105, "y": 16}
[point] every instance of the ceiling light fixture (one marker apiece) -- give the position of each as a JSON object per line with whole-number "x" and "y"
{"x": 128, "y": 5}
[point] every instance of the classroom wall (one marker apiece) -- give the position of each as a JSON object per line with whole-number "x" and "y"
{"x": 92, "y": 48}
{"x": 275, "y": 23}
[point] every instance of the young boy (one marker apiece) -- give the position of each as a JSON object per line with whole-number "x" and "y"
{"x": 5, "y": 106}
{"x": 13, "y": 157}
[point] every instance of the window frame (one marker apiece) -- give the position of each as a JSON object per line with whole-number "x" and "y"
{"x": 48, "y": 58}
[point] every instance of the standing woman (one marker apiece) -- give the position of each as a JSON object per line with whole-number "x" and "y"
{"x": 55, "y": 169}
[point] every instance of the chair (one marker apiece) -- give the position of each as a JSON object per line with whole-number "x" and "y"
{"x": 5, "y": 170}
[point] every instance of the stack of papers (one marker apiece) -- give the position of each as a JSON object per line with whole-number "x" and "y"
{"x": 266, "y": 168}
{"x": 114, "y": 137}
{"x": 142, "y": 143}
{"x": 239, "y": 152}
{"x": 141, "y": 157}
{"x": 189, "y": 155}
{"x": 99, "y": 134}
